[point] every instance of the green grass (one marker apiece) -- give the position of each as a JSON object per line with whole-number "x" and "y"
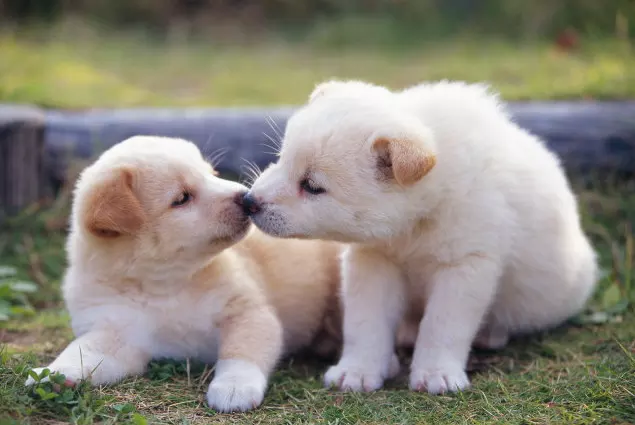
{"x": 582, "y": 373}
{"x": 80, "y": 67}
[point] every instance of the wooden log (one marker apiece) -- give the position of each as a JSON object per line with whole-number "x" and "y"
{"x": 240, "y": 134}
{"x": 22, "y": 175}
{"x": 586, "y": 135}
{"x": 598, "y": 136}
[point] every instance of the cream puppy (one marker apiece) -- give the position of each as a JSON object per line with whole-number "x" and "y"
{"x": 447, "y": 204}
{"x": 162, "y": 265}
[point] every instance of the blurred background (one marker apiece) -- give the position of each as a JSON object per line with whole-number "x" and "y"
{"x": 83, "y": 53}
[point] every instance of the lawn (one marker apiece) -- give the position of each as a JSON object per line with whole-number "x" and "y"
{"x": 78, "y": 68}
{"x": 581, "y": 373}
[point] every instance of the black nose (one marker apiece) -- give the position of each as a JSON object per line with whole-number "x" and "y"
{"x": 249, "y": 204}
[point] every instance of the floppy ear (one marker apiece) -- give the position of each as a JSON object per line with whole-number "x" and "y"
{"x": 112, "y": 209}
{"x": 404, "y": 159}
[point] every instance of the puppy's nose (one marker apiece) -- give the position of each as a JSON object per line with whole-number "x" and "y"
{"x": 249, "y": 204}
{"x": 238, "y": 198}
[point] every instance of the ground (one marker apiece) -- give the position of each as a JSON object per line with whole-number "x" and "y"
{"x": 581, "y": 373}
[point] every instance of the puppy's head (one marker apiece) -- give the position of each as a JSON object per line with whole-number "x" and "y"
{"x": 156, "y": 199}
{"x": 348, "y": 167}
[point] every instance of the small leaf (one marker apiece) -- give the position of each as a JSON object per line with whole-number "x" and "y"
{"x": 33, "y": 374}
{"x": 24, "y": 286}
{"x": 21, "y": 311}
{"x": 137, "y": 419}
{"x": 5, "y": 291}
{"x": 620, "y": 307}
{"x": 8, "y": 271}
{"x": 611, "y": 296}
{"x": 124, "y": 408}
{"x": 596, "y": 318}
{"x": 67, "y": 396}
{"x": 58, "y": 378}
{"x": 45, "y": 395}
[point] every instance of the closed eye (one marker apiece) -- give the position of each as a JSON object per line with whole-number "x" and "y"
{"x": 309, "y": 186}
{"x": 183, "y": 199}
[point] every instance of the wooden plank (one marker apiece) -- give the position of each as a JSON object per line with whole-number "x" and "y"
{"x": 22, "y": 176}
{"x": 37, "y": 147}
{"x": 586, "y": 135}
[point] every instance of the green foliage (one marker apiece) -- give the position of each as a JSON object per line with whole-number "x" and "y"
{"x": 78, "y": 404}
{"x": 539, "y": 18}
{"x": 165, "y": 370}
{"x": 14, "y": 300}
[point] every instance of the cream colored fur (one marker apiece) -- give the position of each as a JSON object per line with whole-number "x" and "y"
{"x": 147, "y": 279}
{"x": 448, "y": 206}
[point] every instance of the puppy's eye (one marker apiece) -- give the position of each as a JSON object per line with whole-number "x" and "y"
{"x": 309, "y": 186}
{"x": 183, "y": 199}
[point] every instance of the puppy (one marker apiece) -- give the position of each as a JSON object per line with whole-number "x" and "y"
{"x": 447, "y": 205}
{"x": 162, "y": 264}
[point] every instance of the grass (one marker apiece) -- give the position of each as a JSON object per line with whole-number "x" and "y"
{"x": 80, "y": 67}
{"x": 582, "y": 373}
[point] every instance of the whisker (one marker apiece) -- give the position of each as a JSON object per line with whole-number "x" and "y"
{"x": 215, "y": 157}
{"x": 272, "y": 149}
{"x": 275, "y": 145}
{"x": 207, "y": 143}
{"x": 252, "y": 171}
{"x": 274, "y": 126}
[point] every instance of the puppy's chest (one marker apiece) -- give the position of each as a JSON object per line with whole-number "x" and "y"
{"x": 182, "y": 326}
{"x": 418, "y": 262}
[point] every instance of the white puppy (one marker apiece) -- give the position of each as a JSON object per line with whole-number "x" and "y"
{"x": 161, "y": 265}
{"x": 448, "y": 205}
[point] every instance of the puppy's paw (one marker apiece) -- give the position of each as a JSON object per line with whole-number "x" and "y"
{"x": 439, "y": 380}
{"x": 238, "y": 386}
{"x": 349, "y": 375}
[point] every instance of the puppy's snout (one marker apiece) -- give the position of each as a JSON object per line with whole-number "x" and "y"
{"x": 249, "y": 203}
{"x": 238, "y": 198}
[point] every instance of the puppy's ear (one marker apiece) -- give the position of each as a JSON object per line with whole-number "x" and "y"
{"x": 324, "y": 88}
{"x": 405, "y": 159}
{"x": 112, "y": 209}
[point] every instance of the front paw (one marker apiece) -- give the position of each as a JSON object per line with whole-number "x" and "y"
{"x": 351, "y": 375}
{"x": 237, "y": 386}
{"x": 439, "y": 379}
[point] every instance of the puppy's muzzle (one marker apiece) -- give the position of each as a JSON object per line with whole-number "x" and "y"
{"x": 248, "y": 203}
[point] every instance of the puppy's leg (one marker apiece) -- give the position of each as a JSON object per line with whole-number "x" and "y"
{"x": 458, "y": 301}
{"x": 251, "y": 343}
{"x": 102, "y": 356}
{"x": 373, "y": 305}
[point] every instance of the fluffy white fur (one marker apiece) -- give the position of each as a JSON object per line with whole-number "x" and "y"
{"x": 151, "y": 279}
{"x": 449, "y": 208}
